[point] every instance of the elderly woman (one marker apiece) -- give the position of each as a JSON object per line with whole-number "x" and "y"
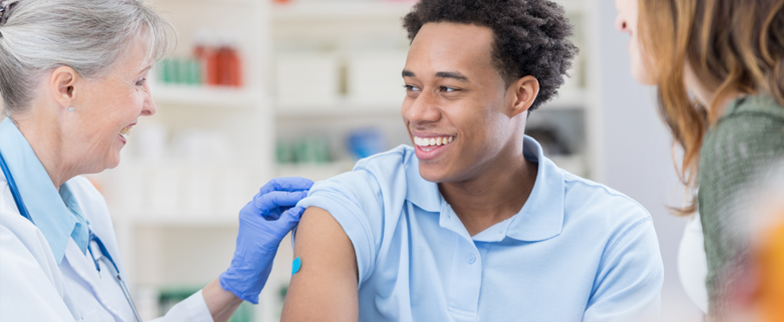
{"x": 73, "y": 84}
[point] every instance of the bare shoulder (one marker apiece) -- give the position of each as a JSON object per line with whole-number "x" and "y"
{"x": 325, "y": 287}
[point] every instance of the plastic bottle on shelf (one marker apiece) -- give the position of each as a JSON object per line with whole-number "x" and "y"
{"x": 207, "y": 57}
{"x": 230, "y": 65}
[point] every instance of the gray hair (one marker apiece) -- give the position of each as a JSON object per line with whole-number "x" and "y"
{"x": 86, "y": 35}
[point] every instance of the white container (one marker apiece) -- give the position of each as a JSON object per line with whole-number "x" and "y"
{"x": 374, "y": 78}
{"x": 307, "y": 79}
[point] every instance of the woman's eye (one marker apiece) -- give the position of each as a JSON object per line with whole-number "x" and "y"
{"x": 141, "y": 82}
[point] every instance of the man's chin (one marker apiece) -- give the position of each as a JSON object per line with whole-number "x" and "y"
{"x": 431, "y": 175}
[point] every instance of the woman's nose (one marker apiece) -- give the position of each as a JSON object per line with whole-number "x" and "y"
{"x": 149, "y": 107}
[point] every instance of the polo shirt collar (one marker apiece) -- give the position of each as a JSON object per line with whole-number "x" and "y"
{"x": 422, "y": 193}
{"x": 541, "y": 217}
{"x": 56, "y": 213}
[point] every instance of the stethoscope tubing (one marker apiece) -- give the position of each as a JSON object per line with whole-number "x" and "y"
{"x": 23, "y": 211}
{"x": 14, "y": 190}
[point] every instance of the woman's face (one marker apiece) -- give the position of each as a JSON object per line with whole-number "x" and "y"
{"x": 626, "y": 22}
{"x": 108, "y": 107}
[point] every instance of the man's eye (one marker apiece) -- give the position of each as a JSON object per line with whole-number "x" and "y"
{"x": 411, "y": 87}
{"x": 448, "y": 89}
{"x": 141, "y": 82}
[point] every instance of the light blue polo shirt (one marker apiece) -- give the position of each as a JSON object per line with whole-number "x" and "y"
{"x": 577, "y": 250}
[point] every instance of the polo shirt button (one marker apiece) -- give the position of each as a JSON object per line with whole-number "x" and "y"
{"x": 471, "y": 258}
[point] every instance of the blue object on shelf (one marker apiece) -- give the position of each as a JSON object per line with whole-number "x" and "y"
{"x": 363, "y": 143}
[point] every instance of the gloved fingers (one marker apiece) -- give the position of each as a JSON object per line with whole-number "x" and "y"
{"x": 274, "y": 213}
{"x": 267, "y": 202}
{"x": 293, "y": 215}
{"x": 286, "y": 184}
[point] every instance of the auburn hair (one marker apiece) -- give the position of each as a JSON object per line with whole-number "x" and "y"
{"x": 731, "y": 46}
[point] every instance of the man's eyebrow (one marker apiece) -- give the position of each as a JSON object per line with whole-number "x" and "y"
{"x": 453, "y": 75}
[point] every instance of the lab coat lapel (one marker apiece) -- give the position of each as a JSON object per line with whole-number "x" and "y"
{"x": 101, "y": 283}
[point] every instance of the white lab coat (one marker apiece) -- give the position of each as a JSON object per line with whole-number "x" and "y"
{"x": 34, "y": 288}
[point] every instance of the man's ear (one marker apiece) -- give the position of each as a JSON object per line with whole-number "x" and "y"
{"x": 523, "y": 92}
{"x": 62, "y": 84}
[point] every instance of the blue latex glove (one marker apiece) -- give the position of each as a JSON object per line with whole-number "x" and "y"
{"x": 264, "y": 221}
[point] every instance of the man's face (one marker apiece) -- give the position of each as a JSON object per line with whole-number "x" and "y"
{"x": 457, "y": 108}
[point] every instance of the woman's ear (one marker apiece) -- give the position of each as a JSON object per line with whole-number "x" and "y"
{"x": 62, "y": 85}
{"x": 523, "y": 93}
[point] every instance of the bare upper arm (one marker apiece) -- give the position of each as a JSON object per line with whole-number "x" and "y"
{"x": 325, "y": 288}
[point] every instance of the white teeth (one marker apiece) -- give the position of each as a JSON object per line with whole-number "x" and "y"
{"x": 425, "y": 142}
{"x": 125, "y": 132}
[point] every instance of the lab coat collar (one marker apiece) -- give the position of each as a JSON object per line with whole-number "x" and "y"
{"x": 56, "y": 214}
{"x": 540, "y": 218}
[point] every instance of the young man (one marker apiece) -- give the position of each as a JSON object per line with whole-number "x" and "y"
{"x": 474, "y": 223}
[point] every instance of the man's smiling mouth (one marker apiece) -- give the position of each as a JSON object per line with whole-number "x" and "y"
{"x": 427, "y": 144}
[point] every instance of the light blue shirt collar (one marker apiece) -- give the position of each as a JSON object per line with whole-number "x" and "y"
{"x": 56, "y": 214}
{"x": 542, "y": 216}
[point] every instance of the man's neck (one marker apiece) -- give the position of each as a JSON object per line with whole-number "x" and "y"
{"x": 494, "y": 196}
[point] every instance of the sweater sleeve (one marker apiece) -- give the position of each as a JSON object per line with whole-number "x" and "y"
{"x": 736, "y": 155}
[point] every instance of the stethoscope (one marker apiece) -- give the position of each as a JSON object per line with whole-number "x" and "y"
{"x": 23, "y": 210}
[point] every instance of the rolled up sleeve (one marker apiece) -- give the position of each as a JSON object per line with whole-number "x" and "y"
{"x": 354, "y": 200}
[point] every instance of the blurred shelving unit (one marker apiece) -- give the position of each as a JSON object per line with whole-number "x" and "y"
{"x": 168, "y": 95}
{"x": 188, "y": 170}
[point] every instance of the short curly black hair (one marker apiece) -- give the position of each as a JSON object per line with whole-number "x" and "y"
{"x": 531, "y": 36}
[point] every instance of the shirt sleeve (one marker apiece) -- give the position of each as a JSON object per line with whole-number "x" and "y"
{"x": 192, "y": 309}
{"x": 630, "y": 278}
{"x": 355, "y": 200}
{"x": 736, "y": 154}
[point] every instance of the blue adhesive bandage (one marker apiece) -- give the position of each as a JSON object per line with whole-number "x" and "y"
{"x": 296, "y": 265}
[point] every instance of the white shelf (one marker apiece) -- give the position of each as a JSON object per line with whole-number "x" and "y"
{"x": 340, "y": 108}
{"x": 180, "y": 220}
{"x": 203, "y": 96}
{"x": 315, "y": 172}
{"x": 341, "y": 10}
{"x": 567, "y": 100}
{"x": 356, "y": 9}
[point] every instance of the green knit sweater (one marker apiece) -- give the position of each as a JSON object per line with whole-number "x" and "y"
{"x": 736, "y": 153}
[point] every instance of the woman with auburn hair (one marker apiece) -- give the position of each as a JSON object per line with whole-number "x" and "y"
{"x": 719, "y": 70}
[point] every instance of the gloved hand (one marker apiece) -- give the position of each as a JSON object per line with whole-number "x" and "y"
{"x": 264, "y": 221}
